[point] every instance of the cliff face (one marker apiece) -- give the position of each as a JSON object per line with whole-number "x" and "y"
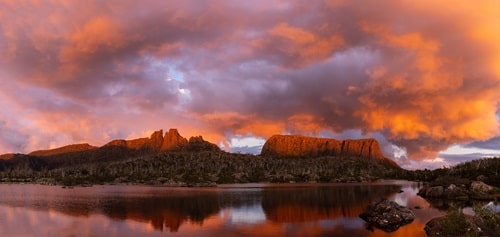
{"x": 173, "y": 141}
{"x": 294, "y": 146}
{"x": 363, "y": 147}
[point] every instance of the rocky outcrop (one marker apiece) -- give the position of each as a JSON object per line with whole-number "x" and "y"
{"x": 156, "y": 139}
{"x": 387, "y": 215}
{"x": 480, "y": 190}
{"x": 120, "y": 148}
{"x": 173, "y": 141}
{"x": 136, "y": 144}
{"x": 455, "y": 192}
{"x": 197, "y": 143}
{"x": 153, "y": 143}
{"x": 301, "y": 146}
{"x": 64, "y": 149}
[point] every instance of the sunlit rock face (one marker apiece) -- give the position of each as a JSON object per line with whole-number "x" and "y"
{"x": 364, "y": 148}
{"x": 173, "y": 141}
{"x": 156, "y": 139}
{"x": 301, "y": 146}
{"x": 154, "y": 142}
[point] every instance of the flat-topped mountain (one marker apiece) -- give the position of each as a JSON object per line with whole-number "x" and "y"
{"x": 302, "y": 146}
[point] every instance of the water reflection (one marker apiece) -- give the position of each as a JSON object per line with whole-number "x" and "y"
{"x": 163, "y": 212}
{"x": 321, "y": 203}
{"x": 281, "y": 210}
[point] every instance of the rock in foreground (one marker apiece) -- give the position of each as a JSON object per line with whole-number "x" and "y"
{"x": 387, "y": 215}
{"x": 456, "y": 225}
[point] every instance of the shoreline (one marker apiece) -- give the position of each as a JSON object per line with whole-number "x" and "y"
{"x": 229, "y": 185}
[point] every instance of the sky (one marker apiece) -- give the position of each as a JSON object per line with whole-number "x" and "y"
{"x": 422, "y": 77}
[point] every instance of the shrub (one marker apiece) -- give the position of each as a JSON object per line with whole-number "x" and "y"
{"x": 489, "y": 218}
{"x": 454, "y": 223}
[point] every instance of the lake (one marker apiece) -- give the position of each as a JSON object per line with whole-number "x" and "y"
{"x": 227, "y": 210}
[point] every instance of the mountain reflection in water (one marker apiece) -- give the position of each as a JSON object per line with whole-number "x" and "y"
{"x": 274, "y": 210}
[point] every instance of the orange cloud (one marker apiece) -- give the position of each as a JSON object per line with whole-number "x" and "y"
{"x": 295, "y": 34}
{"x": 96, "y": 35}
{"x": 303, "y": 46}
{"x": 420, "y": 74}
{"x": 430, "y": 96}
{"x": 425, "y": 60}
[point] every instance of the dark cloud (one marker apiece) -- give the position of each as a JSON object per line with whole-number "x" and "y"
{"x": 416, "y": 77}
{"x": 493, "y": 144}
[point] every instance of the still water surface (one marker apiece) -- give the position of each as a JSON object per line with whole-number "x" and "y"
{"x": 229, "y": 210}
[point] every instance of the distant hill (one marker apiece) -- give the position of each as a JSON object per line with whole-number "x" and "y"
{"x": 7, "y": 156}
{"x": 64, "y": 149}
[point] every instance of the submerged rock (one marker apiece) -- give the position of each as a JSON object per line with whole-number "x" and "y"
{"x": 387, "y": 215}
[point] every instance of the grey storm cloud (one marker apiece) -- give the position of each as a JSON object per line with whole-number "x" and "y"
{"x": 420, "y": 77}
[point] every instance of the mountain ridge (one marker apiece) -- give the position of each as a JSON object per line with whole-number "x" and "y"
{"x": 170, "y": 159}
{"x": 157, "y": 142}
{"x": 275, "y": 146}
{"x": 115, "y": 150}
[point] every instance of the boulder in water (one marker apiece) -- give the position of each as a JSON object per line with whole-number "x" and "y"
{"x": 387, "y": 215}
